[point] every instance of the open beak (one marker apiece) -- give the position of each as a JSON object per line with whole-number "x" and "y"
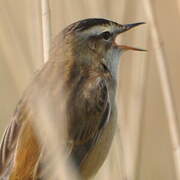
{"x": 130, "y": 48}
{"x": 124, "y": 28}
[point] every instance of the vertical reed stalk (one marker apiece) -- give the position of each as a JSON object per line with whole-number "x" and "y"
{"x": 166, "y": 86}
{"x": 46, "y": 28}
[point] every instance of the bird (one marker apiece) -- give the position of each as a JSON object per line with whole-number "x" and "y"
{"x": 83, "y": 65}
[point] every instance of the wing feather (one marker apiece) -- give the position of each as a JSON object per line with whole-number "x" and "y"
{"x": 93, "y": 109}
{"x": 7, "y": 148}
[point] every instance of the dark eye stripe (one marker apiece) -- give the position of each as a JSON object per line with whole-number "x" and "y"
{"x": 106, "y": 35}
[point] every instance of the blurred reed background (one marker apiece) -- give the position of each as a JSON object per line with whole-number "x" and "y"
{"x": 146, "y": 139}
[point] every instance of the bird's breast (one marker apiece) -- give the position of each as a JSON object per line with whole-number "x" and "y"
{"x": 98, "y": 154}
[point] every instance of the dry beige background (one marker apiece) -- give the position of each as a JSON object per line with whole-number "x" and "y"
{"x": 143, "y": 123}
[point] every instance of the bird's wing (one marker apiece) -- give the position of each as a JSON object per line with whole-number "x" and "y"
{"x": 90, "y": 114}
{"x": 10, "y": 140}
{"x": 7, "y": 147}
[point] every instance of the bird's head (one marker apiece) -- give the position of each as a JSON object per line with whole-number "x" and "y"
{"x": 95, "y": 40}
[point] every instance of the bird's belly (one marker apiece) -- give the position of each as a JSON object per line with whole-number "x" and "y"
{"x": 98, "y": 153}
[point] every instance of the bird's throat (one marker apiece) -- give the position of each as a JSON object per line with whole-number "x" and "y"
{"x": 112, "y": 61}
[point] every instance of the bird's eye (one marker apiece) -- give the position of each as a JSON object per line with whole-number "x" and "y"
{"x": 106, "y": 35}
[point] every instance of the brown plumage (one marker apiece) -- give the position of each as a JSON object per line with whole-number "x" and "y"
{"x": 82, "y": 67}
